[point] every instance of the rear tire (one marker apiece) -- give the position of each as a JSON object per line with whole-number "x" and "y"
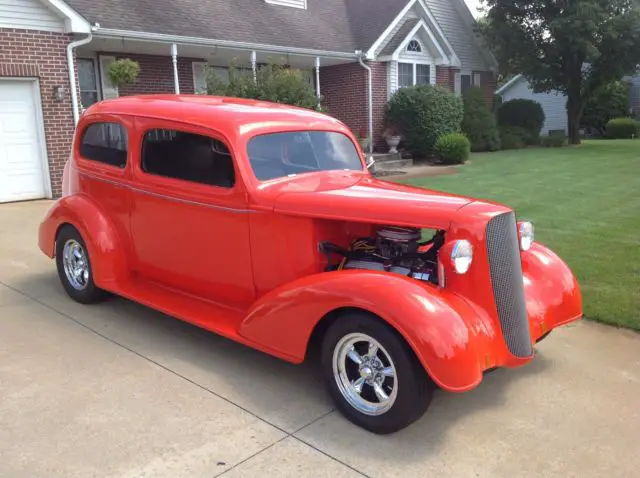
{"x": 74, "y": 267}
{"x": 372, "y": 374}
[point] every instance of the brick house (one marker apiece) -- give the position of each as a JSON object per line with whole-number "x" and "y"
{"x": 44, "y": 43}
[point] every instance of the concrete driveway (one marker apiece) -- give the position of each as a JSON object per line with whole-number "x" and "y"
{"x": 118, "y": 390}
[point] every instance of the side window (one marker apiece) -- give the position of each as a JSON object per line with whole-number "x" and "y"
{"x": 105, "y": 143}
{"x": 187, "y": 156}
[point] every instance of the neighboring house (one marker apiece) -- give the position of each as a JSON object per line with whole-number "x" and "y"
{"x": 44, "y": 43}
{"x": 554, "y": 104}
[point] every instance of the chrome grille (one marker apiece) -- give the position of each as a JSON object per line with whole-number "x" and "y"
{"x": 506, "y": 280}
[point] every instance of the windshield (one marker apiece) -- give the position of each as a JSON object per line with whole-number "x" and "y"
{"x": 278, "y": 155}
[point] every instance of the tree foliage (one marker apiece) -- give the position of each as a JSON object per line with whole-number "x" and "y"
{"x": 272, "y": 82}
{"x": 610, "y": 101}
{"x": 479, "y": 123}
{"x": 573, "y": 46}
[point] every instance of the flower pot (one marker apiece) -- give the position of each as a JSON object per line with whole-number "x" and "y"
{"x": 393, "y": 142}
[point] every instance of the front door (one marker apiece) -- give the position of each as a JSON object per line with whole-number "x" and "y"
{"x": 189, "y": 217}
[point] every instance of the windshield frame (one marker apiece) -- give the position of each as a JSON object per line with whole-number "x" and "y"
{"x": 346, "y": 134}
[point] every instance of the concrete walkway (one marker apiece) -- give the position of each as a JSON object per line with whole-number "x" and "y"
{"x": 118, "y": 390}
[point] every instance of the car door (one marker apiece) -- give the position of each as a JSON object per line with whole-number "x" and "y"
{"x": 189, "y": 215}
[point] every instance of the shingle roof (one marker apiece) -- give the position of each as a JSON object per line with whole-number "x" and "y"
{"x": 329, "y": 25}
{"x": 400, "y": 35}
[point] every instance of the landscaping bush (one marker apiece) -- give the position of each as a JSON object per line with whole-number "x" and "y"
{"x": 478, "y": 123}
{"x": 611, "y": 101}
{"x": 623, "y": 128}
{"x": 423, "y": 113}
{"x": 453, "y": 148}
{"x": 512, "y": 137}
{"x": 525, "y": 114}
{"x": 272, "y": 83}
{"x": 556, "y": 140}
{"x": 123, "y": 71}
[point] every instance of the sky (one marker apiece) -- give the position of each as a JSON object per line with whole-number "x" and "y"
{"x": 473, "y": 6}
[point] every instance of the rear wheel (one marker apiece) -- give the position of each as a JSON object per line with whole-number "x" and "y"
{"x": 74, "y": 267}
{"x": 372, "y": 375}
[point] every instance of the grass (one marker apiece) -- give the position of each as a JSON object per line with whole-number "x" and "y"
{"x": 585, "y": 204}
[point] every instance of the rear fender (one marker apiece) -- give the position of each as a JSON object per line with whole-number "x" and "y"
{"x": 443, "y": 330}
{"x": 105, "y": 249}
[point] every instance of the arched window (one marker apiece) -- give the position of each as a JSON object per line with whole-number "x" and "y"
{"x": 414, "y": 46}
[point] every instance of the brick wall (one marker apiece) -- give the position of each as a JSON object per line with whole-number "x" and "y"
{"x": 446, "y": 76}
{"x": 344, "y": 88}
{"x": 31, "y": 53}
{"x": 156, "y": 75}
{"x": 488, "y": 85}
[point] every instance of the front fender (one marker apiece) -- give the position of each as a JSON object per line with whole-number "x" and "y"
{"x": 551, "y": 290}
{"x": 98, "y": 232}
{"x": 443, "y": 330}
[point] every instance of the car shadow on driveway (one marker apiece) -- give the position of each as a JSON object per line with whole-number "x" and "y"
{"x": 287, "y": 396}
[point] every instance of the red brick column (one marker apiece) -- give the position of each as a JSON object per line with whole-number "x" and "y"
{"x": 443, "y": 76}
{"x": 344, "y": 91}
{"x": 43, "y": 55}
{"x": 488, "y": 85}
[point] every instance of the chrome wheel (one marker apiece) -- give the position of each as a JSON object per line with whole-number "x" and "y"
{"x": 365, "y": 374}
{"x": 76, "y": 264}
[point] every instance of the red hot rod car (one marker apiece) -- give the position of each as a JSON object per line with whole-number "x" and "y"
{"x": 262, "y": 223}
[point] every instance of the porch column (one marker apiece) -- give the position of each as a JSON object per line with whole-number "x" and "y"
{"x": 254, "y": 62}
{"x": 174, "y": 59}
{"x": 318, "y": 80}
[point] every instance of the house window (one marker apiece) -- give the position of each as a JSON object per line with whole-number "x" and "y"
{"x": 410, "y": 74}
{"x": 188, "y": 157}
{"x": 466, "y": 81}
{"x": 105, "y": 143}
{"x": 88, "y": 81}
{"x": 414, "y": 46}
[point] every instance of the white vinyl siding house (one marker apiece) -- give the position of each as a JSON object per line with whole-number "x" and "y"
{"x": 29, "y": 15}
{"x": 553, "y": 104}
{"x": 634, "y": 96}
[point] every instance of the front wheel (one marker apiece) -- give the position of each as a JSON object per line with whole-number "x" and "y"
{"x": 372, "y": 375}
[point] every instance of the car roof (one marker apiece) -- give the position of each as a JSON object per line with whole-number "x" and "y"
{"x": 244, "y": 116}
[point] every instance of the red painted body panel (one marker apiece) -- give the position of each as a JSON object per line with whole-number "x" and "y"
{"x": 244, "y": 262}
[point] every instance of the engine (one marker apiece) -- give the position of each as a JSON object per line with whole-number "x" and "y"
{"x": 393, "y": 249}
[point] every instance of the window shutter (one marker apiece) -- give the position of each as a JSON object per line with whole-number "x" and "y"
{"x": 109, "y": 91}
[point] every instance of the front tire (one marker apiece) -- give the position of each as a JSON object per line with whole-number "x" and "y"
{"x": 74, "y": 267}
{"x": 372, "y": 375}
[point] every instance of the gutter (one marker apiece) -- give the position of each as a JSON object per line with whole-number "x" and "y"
{"x": 72, "y": 74}
{"x": 199, "y": 41}
{"x": 360, "y": 56}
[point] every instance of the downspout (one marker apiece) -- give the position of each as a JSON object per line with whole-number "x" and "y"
{"x": 174, "y": 59}
{"x": 361, "y": 55}
{"x": 72, "y": 75}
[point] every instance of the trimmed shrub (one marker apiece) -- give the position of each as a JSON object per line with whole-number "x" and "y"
{"x": 478, "y": 123}
{"x": 123, "y": 71}
{"x": 611, "y": 101}
{"x": 526, "y": 114}
{"x": 272, "y": 83}
{"x": 512, "y": 137}
{"x": 453, "y": 148}
{"x": 623, "y": 128}
{"x": 424, "y": 113}
{"x": 556, "y": 140}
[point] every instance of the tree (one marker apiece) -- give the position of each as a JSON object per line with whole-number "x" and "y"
{"x": 573, "y": 46}
{"x": 611, "y": 101}
{"x": 479, "y": 123}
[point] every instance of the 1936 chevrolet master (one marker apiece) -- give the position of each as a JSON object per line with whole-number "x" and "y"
{"x": 262, "y": 223}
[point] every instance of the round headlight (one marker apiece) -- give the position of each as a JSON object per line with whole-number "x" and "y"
{"x": 526, "y": 235}
{"x": 461, "y": 256}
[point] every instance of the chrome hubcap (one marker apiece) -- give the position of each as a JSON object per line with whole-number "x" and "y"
{"x": 365, "y": 374}
{"x": 76, "y": 265}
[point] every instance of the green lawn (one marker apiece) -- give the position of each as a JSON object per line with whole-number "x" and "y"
{"x": 585, "y": 204}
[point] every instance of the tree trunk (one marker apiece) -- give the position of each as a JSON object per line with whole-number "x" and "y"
{"x": 575, "y": 107}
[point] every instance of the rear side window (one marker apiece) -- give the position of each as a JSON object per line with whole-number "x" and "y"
{"x": 105, "y": 143}
{"x": 187, "y": 156}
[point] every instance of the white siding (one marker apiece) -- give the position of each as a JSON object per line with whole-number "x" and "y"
{"x": 289, "y": 3}
{"x": 29, "y": 15}
{"x": 392, "y": 79}
{"x": 457, "y": 32}
{"x": 553, "y": 104}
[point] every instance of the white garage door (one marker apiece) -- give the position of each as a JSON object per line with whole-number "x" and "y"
{"x": 21, "y": 162}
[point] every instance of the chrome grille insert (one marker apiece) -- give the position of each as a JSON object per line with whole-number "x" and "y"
{"x": 506, "y": 280}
